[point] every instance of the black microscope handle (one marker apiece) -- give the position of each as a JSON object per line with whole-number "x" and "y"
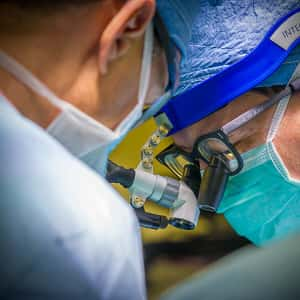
{"x": 125, "y": 177}
{"x": 118, "y": 174}
{"x": 151, "y": 221}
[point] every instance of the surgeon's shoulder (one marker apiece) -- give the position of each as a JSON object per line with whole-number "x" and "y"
{"x": 56, "y": 214}
{"x": 35, "y": 166}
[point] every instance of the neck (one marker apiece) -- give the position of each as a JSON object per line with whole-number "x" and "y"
{"x": 54, "y": 55}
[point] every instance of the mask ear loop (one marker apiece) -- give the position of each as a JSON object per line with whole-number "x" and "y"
{"x": 144, "y": 83}
{"x": 28, "y": 79}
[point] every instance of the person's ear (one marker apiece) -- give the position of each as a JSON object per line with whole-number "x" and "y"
{"x": 129, "y": 22}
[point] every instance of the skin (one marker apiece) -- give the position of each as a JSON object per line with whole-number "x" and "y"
{"x": 254, "y": 133}
{"x": 89, "y": 55}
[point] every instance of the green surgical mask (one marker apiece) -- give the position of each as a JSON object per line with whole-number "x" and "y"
{"x": 262, "y": 202}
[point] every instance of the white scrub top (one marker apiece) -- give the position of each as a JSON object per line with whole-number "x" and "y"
{"x": 64, "y": 232}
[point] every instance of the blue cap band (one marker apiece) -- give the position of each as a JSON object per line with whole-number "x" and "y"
{"x": 217, "y": 91}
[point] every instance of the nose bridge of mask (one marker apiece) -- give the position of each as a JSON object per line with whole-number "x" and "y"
{"x": 281, "y": 109}
{"x": 263, "y": 153}
{"x": 275, "y": 123}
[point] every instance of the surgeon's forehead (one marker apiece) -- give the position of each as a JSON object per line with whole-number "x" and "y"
{"x": 185, "y": 138}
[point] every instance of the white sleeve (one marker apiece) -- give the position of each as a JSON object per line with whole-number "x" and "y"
{"x": 65, "y": 233}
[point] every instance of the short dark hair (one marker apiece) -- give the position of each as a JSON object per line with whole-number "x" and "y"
{"x": 21, "y": 14}
{"x": 46, "y": 4}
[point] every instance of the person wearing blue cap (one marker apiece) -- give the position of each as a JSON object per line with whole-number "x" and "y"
{"x": 74, "y": 78}
{"x": 237, "y": 112}
{"x": 242, "y": 92}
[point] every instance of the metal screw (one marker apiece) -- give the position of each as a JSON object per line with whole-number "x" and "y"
{"x": 148, "y": 151}
{"x": 147, "y": 163}
{"x": 138, "y": 202}
{"x": 163, "y": 130}
{"x": 155, "y": 140}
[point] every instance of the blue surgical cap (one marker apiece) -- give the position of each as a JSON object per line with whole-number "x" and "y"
{"x": 225, "y": 31}
{"x": 178, "y": 16}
